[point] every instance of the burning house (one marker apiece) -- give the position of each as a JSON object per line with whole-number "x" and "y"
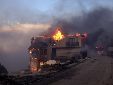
{"x": 57, "y": 48}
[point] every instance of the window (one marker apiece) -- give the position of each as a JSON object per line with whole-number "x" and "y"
{"x": 72, "y": 42}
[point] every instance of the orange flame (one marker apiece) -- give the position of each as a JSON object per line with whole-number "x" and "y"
{"x": 58, "y": 35}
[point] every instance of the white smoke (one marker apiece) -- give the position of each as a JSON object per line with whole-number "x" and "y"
{"x": 14, "y": 42}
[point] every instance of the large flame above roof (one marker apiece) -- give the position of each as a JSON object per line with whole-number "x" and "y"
{"x": 58, "y": 34}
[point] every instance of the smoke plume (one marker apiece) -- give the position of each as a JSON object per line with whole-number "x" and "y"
{"x": 14, "y": 43}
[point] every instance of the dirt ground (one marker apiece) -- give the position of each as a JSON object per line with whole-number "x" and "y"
{"x": 95, "y": 71}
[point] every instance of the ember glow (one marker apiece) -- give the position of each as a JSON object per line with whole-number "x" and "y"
{"x": 77, "y": 34}
{"x": 58, "y": 35}
{"x": 85, "y": 34}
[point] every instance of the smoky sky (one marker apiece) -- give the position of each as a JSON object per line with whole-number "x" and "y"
{"x": 91, "y": 21}
{"x": 19, "y": 19}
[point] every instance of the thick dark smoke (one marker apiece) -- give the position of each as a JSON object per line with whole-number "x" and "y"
{"x": 96, "y": 22}
{"x": 89, "y": 22}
